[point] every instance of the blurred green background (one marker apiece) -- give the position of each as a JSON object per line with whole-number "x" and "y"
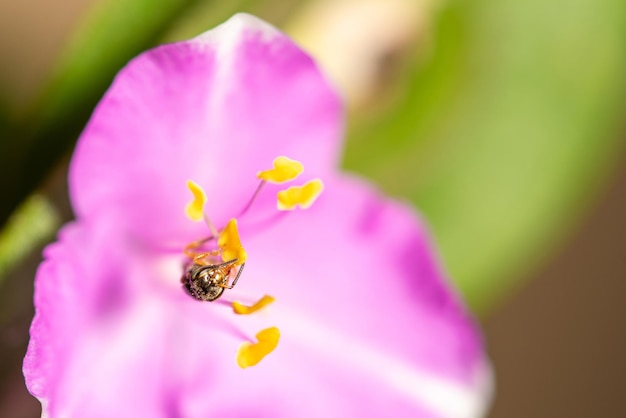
{"x": 502, "y": 121}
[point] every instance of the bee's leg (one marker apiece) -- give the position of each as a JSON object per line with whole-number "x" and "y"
{"x": 237, "y": 277}
{"x": 191, "y": 248}
{"x": 201, "y": 258}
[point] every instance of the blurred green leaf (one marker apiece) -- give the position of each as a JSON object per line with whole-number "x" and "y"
{"x": 31, "y": 225}
{"x": 505, "y": 133}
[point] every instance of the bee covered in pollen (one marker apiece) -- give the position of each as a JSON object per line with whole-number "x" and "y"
{"x": 206, "y": 276}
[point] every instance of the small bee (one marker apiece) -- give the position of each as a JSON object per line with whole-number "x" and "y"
{"x": 207, "y": 274}
{"x": 208, "y": 281}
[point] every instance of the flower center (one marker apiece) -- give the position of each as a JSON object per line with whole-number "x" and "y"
{"x": 216, "y": 263}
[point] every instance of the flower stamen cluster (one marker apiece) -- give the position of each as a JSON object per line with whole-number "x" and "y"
{"x": 208, "y": 272}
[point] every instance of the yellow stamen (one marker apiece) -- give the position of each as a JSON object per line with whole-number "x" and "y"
{"x": 285, "y": 169}
{"x": 250, "y": 354}
{"x": 302, "y": 196}
{"x": 230, "y": 243}
{"x": 195, "y": 209}
{"x": 241, "y": 309}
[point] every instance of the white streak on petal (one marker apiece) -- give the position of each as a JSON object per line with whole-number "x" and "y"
{"x": 230, "y": 32}
{"x": 443, "y": 397}
{"x": 227, "y": 39}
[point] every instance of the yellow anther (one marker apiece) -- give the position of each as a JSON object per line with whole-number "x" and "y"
{"x": 250, "y": 354}
{"x": 195, "y": 209}
{"x": 285, "y": 169}
{"x": 241, "y": 309}
{"x": 230, "y": 243}
{"x": 302, "y": 196}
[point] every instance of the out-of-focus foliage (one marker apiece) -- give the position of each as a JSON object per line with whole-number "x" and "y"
{"x": 33, "y": 223}
{"x": 504, "y": 132}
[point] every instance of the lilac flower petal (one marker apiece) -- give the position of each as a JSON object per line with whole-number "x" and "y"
{"x": 369, "y": 296}
{"x": 196, "y": 110}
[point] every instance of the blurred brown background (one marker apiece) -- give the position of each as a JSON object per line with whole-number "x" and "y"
{"x": 557, "y": 345}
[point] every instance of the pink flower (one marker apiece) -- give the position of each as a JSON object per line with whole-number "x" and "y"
{"x": 368, "y": 323}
